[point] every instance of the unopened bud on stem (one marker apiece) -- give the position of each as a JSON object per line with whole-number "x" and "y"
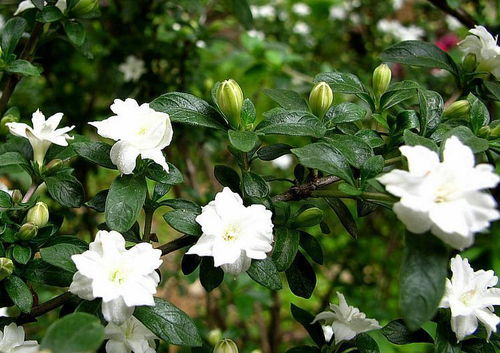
{"x": 381, "y": 79}
{"x": 320, "y": 99}
{"x": 38, "y": 214}
{"x": 27, "y": 231}
{"x": 6, "y": 267}
{"x": 469, "y": 63}
{"x": 230, "y": 100}
{"x": 457, "y": 110}
{"x": 226, "y": 346}
{"x": 214, "y": 336}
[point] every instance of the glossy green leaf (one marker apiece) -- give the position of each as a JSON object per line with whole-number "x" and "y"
{"x": 265, "y": 273}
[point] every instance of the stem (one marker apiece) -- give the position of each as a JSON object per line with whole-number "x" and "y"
{"x": 304, "y": 191}
{"x": 376, "y": 196}
{"x": 29, "y": 193}
{"x": 177, "y": 244}
{"x": 392, "y": 161}
{"x": 148, "y": 221}
{"x": 44, "y": 308}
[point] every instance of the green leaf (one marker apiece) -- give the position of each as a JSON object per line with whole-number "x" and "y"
{"x": 479, "y": 115}
{"x": 59, "y": 255}
{"x": 372, "y": 167}
{"x": 412, "y": 139}
{"x": 74, "y": 333}
{"x": 288, "y": 100}
{"x": 98, "y": 202}
{"x": 396, "y": 332}
{"x": 169, "y": 323}
{"x": 305, "y": 318}
{"x": 254, "y": 186}
{"x": 181, "y": 204}
{"x": 354, "y": 148}
{"x": 293, "y": 123}
{"x": 312, "y": 247}
{"x": 188, "y": 109}
{"x": 22, "y": 254}
{"x": 65, "y": 189}
{"x": 417, "y": 53}
{"x": 398, "y": 93}
{"x": 156, "y": 172}
{"x": 243, "y": 141}
{"x": 445, "y": 341}
{"x": 269, "y": 153}
{"x": 326, "y": 158}
{"x": 227, "y": 177}
{"x": 422, "y": 278}
{"x": 75, "y": 32}
{"x": 210, "y": 277}
{"x": 475, "y": 345}
{"x": 344, "y": 215}
{"x": 345, "y": 83}
{"x": 12, "y": 33}
{"x": 5, "y": 200}
{"x": 248, "y": 113}
{"x": 242, "y": 12}
{"x": 124, "y": 202}
{"x": 190, "y": 263}
{"x": 183, "y": 220}
{"x": 343, "y": 113}
{"x": 23, "y": 67}
{"x": 49, "y": 14}
{"x": 304, "y": 349}
{"x": 265, "y": 273}
{"x": 12, "y": 158}
{"x": 95, "y": 152}
{"x": 39, "y": 271}
{"x": 372, "y": 138}
{"x": 301, "y": 277}
{"x": 366, "y": 344}
{"x": 286, "y": 245}
{"x": 468, "y": 138}
{"x": 494, "y": 88}
{"x": 431, "y": 109}
{"x": 19, "y": 292}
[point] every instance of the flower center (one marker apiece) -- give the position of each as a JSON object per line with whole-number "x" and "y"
{"x": 444, "y": 192}
{"x": 231, "y": 232}
{"x": 467, "y": 297}
{"x": 118, "y": 276}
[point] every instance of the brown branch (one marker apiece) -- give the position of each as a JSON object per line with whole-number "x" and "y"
{"x": 304, "y": 191}
{"x": 177, "y": 244}
{"x": 459, "y": 13}
{"x": 44, "y": 308}
{"x": 273, "y": 332}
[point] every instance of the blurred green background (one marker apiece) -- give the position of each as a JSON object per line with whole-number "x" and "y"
{"x": 188, "y": 45}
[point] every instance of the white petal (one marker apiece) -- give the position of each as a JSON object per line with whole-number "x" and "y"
{"x": 116, "y": 311}
{"x": 225, "y": 252}
{"x": 116, "y": 347}
{"x": 23, "y": 6}
{"x": 146, "y": 258}
{"x": 124, "y": 156}
{"x": 242, "y": 264}
{"x": 463, "y": 326}
{"x": 489, "y": 319}
{"x": 324, "y": 315}
{"x": 421, "y": 160}
{"x": 81, "y": 286}
{"x": 203, "y": 246}
{"x": 157, "y": 156}
{"x": 18, "y": 129}
{"x": 415, "y": 221}
{"x": 456, "y": 155}
{"x": 342, "y": 332}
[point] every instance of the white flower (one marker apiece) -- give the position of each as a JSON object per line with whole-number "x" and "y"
{"x": 4, "y": 188}
{"x": 131, "y": 336}
{"x": 339, "y": 12}
{"x": 398, "y": 31}
{"x": 346, "y": 321}
{"x": 470, "y": 298}
{"x": 283, "y": 162}
{"x": 265, "y": 11}
{"x": 485, "y": 47}
{"x": 232, "y": 233}
{"x": 132, "y": 69}
{"x": 444, "y": 197}
{"x": 4, "y": 312}
{"x": 256, "y": 34}
{"x": 327, "y": 332}
{"x": 28, "y": 4}
{"x": 139, "y": 130}
{"x": 301, "y": 9}
{"x": 397, "y": 4}
{"x": 12, "y": 341}
{"x": 302, "y": 28}
{"x": 42, "y": 134}
{"x": 452, "y": 23}
{"x": 122, "y": 278}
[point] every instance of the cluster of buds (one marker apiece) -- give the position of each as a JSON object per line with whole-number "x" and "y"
{"x": 37, "y": 217}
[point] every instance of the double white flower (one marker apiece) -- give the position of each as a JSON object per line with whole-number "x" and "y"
{"x": 232, "y": 233}
{"x": 345, "y": 321}
{"x": 139, "y": 130}
{"x": 484, "y": 46}
{"x": 122, "y": 278}
{"x": 42, "y": 134}
{"x": 12, "y": 341}
{"x": 444, "y": 197}
{"x": 131, "y": 336}
{"x": 470, "y": 297}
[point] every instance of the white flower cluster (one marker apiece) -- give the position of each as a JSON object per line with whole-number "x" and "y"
{"x": 12, "y": 341}
{"x": 132, "y": 69}
{"x": 395, "y": 29}
{"x": 484, "y": 46}
{"x": 264, "y": 11}
{"x": 342, "y": 10}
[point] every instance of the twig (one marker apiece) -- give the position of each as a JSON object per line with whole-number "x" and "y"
{"x": 29, "y": 193}
{"x": 44, "y": 308}
{"x": 177, "y": 244}
{"x": 273, "y": 332}
{"x": 303, "y": 191}
{"x": 459, "y": 13}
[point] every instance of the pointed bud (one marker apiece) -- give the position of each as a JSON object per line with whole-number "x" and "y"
{"x": 85, "y": 8}
{"x": 16, "y": 196}
{"x": 309, "y": 217}
{"x": 9, "y": 117}
{"x": 381, "y": 79}
{"x": 457, "y": 110}
{"x": 495, "y": 132}
{"x": 38, "y": 214}
{"x": 27, "y": 231}
{"x": 230, "y": 100}
{"x": 469, "y": 63}
{"x": 214, "y": 336}
{"x": 6, "y": 267}
{"x": 320, "y": 99}
{"x": 54, "y": 163}
{"x": 484, "y": 132}
{"x": 226, "y": 346}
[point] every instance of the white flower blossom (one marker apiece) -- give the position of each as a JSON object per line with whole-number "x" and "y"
{"x": 139, "y": 130}
{"x": 122, "y": 278}
{"x": 470, "y": 296}
{"x": 485, "y": 47}
{"x": 4, "y": 312}
{"x": 256, "y": 34}
{"x": 398, "y": 31}
{"x": 397, "y": 4}
{"x": 452, "y": 23}
{"x": 283, "y": 162}
{"x": 132, "y": 69}
{"x": 42, "y": 134}
{"x": 232, "y": 233}
{"x": 327, "y": 332}
{"x": 302, "y": 28}
{"x": 28, "y": 4}
{"x": 131, "y": 336}
{"x": 12, "y": 341}
{"x": 4, "y": 188}
{"x": 265, "y": 11}
{"x": 444, "y": 197}
{"x": 339, "y": 12}
{"x": 346, "y": 321}
{"x": 301, "y": 9}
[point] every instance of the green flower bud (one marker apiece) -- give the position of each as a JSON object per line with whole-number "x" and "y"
{"x": 320, "y": 99}
{"x": 4, "y": 130}
{"x": 27, "y": 231}
{"x": 17, "y": 197}
{"x": 85, "y": 7}
{"x": 38, "y": 214}
{"x": 457, "y": 110}
{"x": 214, "y": 336}
{"x": 226, "y": 346}
{"x": 484, "y": 132}
{"x": 230, "y": 100}
{"x": 495, "y": 132}
{"x": 54, "y": 163}
{"x": 309, "y": 217}
{"x": 469, "y": 63}
{"x": 6, "y": 267}
{"x": 381, "y": 79}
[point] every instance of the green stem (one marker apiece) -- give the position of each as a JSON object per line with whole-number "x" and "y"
{"x": 375, "y": 196}
{"x": 148, "y": 219}
{"x": 392, "y": 161}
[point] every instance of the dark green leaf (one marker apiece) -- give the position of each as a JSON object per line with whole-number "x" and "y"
{"x": 301, "y": 277}
{"x": 468, "y": 138}
{"x": 210, "y": 277}
{"x": 431, "y": 109}
{"x": 39, "y": 271}
{"x": 412, "y": 139}
{"x": 98, "y": 202}
{"x": 23, "y": 67}
{"x": 494, "y": 88}
{"x": 268, "y": 153}
{"x": 477, "y": 346}
{"x": 75, "y": 32}
{"x": 366, "y": 344}
{"x": 156, "y": 172}
{"x": 254, "y": 186}
{"x": 19, "y": 292}
{"x": 169, "y": 323}
{"x": 345, "y": 83}
{"x": 265, "y": 273}
{"x": 124, "y": 202}
{"x": 479, "y": 115}
{"x": 74, "y": 333}
{"x": 190, "y": 263}
{"x": 242, "y": 12}
{"x": 243, "y": 141}
{"x": 181, "y": 204}
{"x": 95, "y": 152}
{"x": 5, "y": 200}
{"x": 183, "y": 220}
{"x": 294, "y": 123}
{"x": 288, "y": 100}
{"x": 396, "y": 332}
{"x": 227, "y": 177}
{"x": 371, "y": 138}
{"x": 446, "y": 341}
{"x": 22, "y": 254}
{"x": 286, "y": 244}
{"x": 248, "y": 113}
{"x": 372, "y": 167}
{"x": 397, "y": 93}
{"x": 49, "y": 14}
{"x": 354, "y": 148}
{"x": 343, "y": 113}
{"x": 12, "y": 158}
{"x": 312, "y": 247}
{"x": 59, "y": 255}
{"x": 65, "y": 189}
{"x": 11, "y": 33}
{"x": 305, "y": 318}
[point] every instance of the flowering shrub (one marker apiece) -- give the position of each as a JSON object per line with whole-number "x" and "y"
{"x": 387, "y": 145}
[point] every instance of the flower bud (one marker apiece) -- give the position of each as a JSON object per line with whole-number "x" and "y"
{"x": 16, "y": 196}
{"x": 6, "y": 267}
{"x": 27, "y": 231}
{"x": 381, "y": 79}
{"x": 484, "y": 132}
{"x": 309, "y": 217}
{"x": 214, "y": 336}
{"x": 85, "y": 7}
{"x": 11, "y": 116}
{"x": 54, "y": 163}
{"x": 457, "y": 110}
{"x": 226, "y": 346}
{"x": 230, "y": 100}
{"x": 469, "y": 63}
{"x": 38, "y": 214}
{"x": 495, "y": 132}
{"x": 320, "y": 99}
